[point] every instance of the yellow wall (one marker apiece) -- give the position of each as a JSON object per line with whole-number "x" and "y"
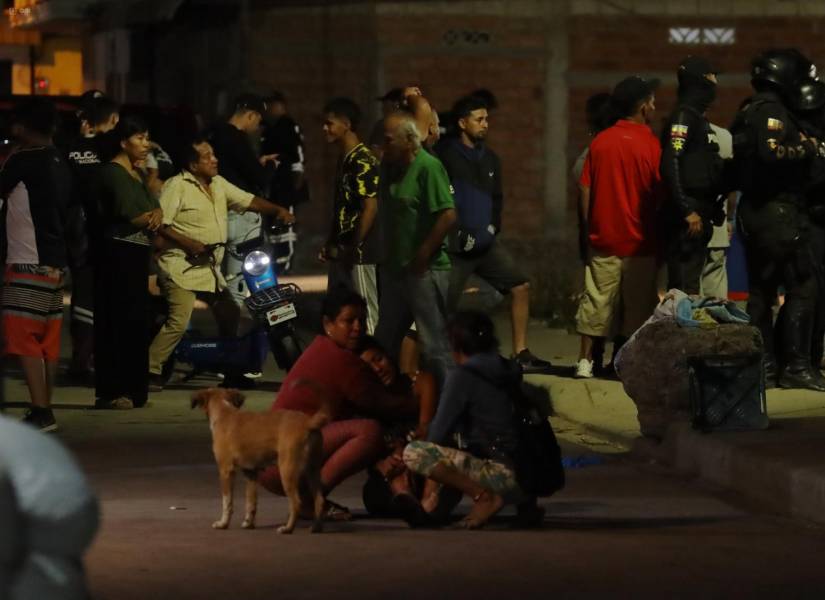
{"x": 60, "y": 60}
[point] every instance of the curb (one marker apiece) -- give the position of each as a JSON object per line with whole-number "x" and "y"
{"x": 744, "y": 462}
{"x": 781, "y": 469}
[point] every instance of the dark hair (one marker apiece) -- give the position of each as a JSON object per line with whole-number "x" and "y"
{"x": 487, "y": 96}
{"x": 339, "y": 297}
{"x": 345, "y": 108}
{"x": 276, "y": 97}
{"x": 464, "y": 106}
{"x": 249, "y": 102}
{"x": 598, "y": 109}
{"x": 370, "y": 342}
{"x": 126, "y": 127}
{"x": 37, "y": 114}
{"x": 99, "y": 110}
{"x": 472, "y": 332}
{"x": 188, "y": 153}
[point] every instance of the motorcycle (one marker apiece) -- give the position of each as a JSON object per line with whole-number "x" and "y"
{"x": 272, "y": 307}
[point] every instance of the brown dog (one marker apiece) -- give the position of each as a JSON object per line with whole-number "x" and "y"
{"x": 251, "y": 441}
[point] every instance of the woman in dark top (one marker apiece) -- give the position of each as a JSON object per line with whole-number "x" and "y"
{"x": 476, "y": 405}
{"x": 129, "y": 217}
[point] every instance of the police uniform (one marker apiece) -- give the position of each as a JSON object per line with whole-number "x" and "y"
{"x": 83, "y": 156}
{"x": 809, "y": 107}
{"x": 774, "y": 161}
{"x": 691, "y": 169}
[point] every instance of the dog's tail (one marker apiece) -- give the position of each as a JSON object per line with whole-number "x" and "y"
{"x": 325, "y": 412}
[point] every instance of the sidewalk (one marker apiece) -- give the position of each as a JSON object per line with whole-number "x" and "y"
{"x": 781, "y": 469}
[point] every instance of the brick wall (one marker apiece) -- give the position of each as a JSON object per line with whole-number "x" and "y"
{"x": 313, "y": 55}
{"x": 542, "y": 60}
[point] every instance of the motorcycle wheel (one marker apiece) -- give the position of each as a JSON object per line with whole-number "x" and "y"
{"x": 286, "y": 349}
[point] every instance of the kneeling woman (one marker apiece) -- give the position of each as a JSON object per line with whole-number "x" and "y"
{"x": 476, "y": 405}
{"x": 331, "y": 376}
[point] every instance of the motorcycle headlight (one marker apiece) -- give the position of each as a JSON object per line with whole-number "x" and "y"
{"x": 256, "y": 263}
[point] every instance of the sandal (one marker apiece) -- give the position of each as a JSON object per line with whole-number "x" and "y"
{"x": 336, "y": 512}
{"x": 122, "y": 403}
{"x": 331, "y": 512}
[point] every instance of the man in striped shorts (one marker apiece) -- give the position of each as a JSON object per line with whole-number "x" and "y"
{"x": 35, "y": 184}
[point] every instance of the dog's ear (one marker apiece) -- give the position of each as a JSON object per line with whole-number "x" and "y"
{"x": 201, "y": 398}
{"x": 235, "y": 398}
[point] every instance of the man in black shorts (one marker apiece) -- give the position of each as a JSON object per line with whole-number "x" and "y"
{"x": 475, "y": 173}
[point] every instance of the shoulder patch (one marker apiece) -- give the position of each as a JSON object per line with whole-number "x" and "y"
{"x": 775, "y": 125}
{"x": 678, "y": 131}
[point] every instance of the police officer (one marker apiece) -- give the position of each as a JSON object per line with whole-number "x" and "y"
{"x": 692, "y": 171}
{"x": 809, "y": 108}
{"x": 773, "y": 158}
{"x": 98, "y": 114}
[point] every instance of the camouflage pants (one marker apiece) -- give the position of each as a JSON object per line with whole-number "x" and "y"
{"x": 422, "y": 457}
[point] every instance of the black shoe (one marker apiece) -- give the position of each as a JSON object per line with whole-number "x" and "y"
{"x": 42, "y": 418}
{"x": 156, "y": 382}
{"x": 806, "y": 379}
{"x": 530, "y": 363}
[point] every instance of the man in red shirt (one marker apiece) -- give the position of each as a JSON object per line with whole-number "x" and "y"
{"x": 620, "y": 190}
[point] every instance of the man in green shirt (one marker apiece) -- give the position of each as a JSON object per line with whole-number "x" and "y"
{"x": 417, "y": 212}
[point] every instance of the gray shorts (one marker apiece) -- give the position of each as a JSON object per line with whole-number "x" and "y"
{"x": 496, "y": 267}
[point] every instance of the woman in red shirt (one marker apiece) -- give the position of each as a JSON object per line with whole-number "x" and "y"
{"x": 351, "y": 392}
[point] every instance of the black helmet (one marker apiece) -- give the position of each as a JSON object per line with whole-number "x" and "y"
{"x": 783, "y": 68}
{"x": 809, "y": 95}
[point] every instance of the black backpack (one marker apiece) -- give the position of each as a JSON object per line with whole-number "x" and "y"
{"x": 537, "y": 454}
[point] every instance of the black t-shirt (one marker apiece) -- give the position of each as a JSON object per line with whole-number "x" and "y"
{"x": 284, "y": 138}
{"x": 36, "y": 184}
{"x": 83, "y": 155}
{"x": 237, "y": 162}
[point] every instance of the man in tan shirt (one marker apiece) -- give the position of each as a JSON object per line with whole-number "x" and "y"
{"x": 195, "y": 204}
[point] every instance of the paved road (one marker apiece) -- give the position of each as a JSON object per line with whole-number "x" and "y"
{"x": 619, "y": 530}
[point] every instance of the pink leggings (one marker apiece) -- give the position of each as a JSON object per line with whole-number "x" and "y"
{"x": 349, "y": 447}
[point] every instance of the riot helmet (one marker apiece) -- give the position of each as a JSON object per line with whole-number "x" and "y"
{"x": 809, "y": 96}
{"x": 781, "y": 69}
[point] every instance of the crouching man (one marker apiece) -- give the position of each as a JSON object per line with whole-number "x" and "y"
{"x": 195, "y": 204}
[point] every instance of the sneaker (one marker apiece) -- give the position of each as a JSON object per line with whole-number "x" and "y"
{"x": 530, "y": 363}
{"x": 584, "y": 369}
{"x": 253, "y": 375}
{"x": 42, "y": 418}
{"x": 156, "y": 382}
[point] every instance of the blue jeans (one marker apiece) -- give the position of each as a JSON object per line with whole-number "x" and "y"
{"x": 405, "y": 298}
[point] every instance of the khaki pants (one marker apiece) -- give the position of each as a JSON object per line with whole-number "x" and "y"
{"x": 715, "y": 275}
{"x": 181, "y": 302}
{"x": 619, "y": 295}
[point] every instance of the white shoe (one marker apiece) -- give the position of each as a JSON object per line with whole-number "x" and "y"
{"x": 584, "y": 369}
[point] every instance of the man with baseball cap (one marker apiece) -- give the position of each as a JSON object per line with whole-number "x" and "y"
{"x": 692, "y": 172}
{"x": 620, "y": 190}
